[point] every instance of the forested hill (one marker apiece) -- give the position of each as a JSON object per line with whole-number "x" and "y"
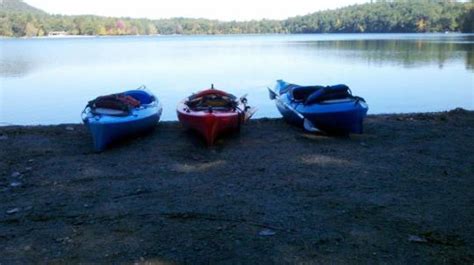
{"x": 18, "y": 6}
{"x": 389, "y": 16}
{"x": 18, "y": 19}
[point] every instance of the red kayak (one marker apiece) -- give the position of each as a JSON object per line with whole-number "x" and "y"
{"x": 213, "y": 112}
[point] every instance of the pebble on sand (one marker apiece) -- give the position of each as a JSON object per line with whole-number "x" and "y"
{"x": 16, "y": 174}
{"x": 13, "y": 211}
{"x": 16, "y": 184}
{"x": 267, "y": 232}
{"x": 417, "y": 239}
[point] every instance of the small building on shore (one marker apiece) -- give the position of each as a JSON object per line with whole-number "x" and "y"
{"x": 57, "y": 33}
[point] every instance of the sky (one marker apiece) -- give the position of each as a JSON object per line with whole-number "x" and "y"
{"x": 212, "y": 9}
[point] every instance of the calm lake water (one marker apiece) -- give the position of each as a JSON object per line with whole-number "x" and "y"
{"x": 48, "y": 81}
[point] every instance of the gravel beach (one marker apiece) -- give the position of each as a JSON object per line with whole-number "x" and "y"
{"x": 401, "y": 193}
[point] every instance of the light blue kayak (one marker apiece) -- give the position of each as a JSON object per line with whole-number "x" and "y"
{"x": 108, "y": 126}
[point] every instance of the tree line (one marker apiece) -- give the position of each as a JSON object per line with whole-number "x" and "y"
{"x": 376, "y": 17}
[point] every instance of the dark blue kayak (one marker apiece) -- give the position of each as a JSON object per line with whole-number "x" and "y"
{"x": 330, "y": 109}
{"x": 110, "y": 125}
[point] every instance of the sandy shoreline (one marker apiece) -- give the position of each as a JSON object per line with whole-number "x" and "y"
{"x": 402, "y": 193}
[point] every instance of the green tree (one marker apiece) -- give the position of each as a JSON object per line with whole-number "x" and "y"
{"x": 380, "y": 16}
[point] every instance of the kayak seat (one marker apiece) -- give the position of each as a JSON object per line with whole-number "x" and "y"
{"x": 140, "y": 95}
{"x": 328, "y": 93}
{"x": 213, "y": 101}
{"x": 302, "y": 93}
{"x": 287, "y": 88}
{"x": 114, "y": 105}
{"x": 209, "y": 92}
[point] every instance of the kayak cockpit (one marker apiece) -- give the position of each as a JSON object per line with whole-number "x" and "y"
{"x": 144, "y": 97}
{"x": 120, "y": 104}
{"x": 301, "y": 94}
{"x": 321, "y": 94}
{"x": 214, "y": 100}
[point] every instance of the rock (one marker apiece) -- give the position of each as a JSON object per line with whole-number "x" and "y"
{"x": 13, "y": 211}
{"x": 3, "y": 137}
{"x": 64, "y": 240}
{"x": 363, "y": 144}
{"x": 69, "y": 128}
{"x": 16, "y": 174}
{"x": 31, "y": 161}
{"x": 267, "y": 232}
{"x": 16, "y": 184}
{"x": 417, "y": 239}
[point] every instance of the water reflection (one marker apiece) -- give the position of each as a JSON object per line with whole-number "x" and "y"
{"x": 16, "y": 67}
{"x": 408, "y": 53}
{"x": 470, "y": 59}
{"x": 19, "y": 57}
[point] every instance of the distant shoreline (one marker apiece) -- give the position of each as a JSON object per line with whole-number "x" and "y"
{"x": 236, "y": 34}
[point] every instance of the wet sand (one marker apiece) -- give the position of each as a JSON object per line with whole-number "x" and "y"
{"x": 402, "y": 193}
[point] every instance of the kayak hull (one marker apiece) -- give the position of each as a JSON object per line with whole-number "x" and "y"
{"x": 106, "y": 130}
{"x": 209, "y": 124}
{"x": 336, "y": 117}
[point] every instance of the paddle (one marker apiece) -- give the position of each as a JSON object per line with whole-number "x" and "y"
{"x": 308, "y": 125}
{"x": 249, "y": 111}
